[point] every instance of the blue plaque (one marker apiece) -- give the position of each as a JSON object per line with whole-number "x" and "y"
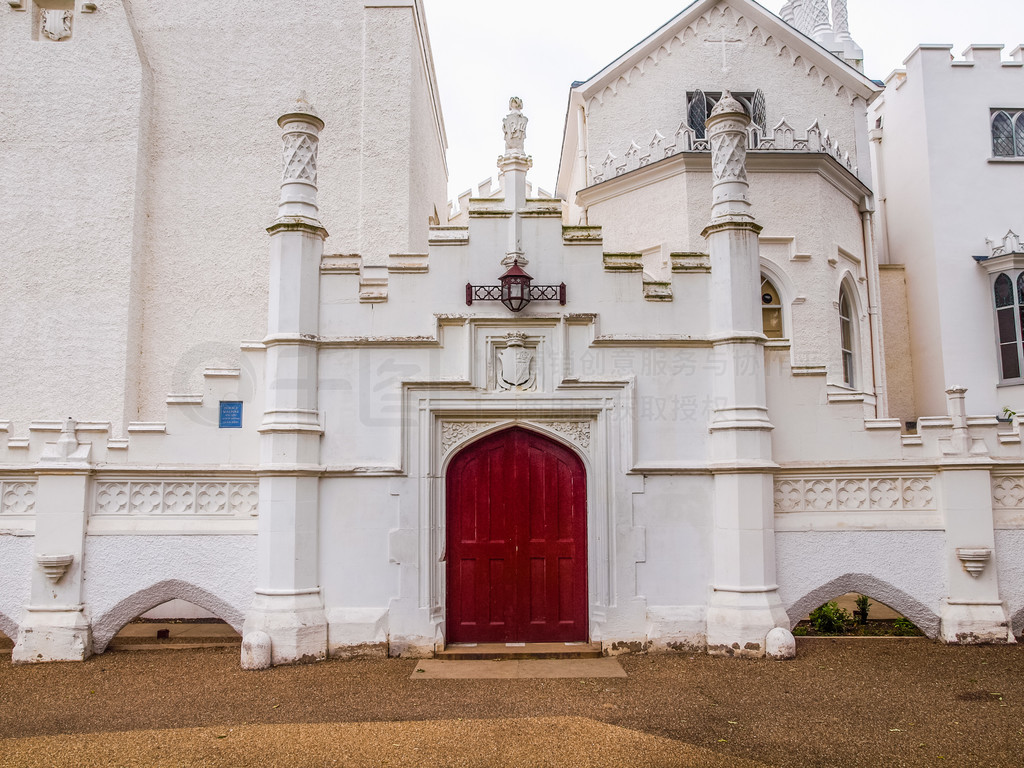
{"x": 230, "y": 414}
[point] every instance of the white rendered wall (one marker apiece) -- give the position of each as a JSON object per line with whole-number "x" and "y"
{"x": 16, "y": 555}
{"x": 1010, "y": 564}
{"x": 944, "y": 198}
{"x": 903, "y": 569}
{"x": 813, "y": 254}
{"x": 73, "y": 138}
{"x": 128, "y": 575}
{"x": 155, "y": 206}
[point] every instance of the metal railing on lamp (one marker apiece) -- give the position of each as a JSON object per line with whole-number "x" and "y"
{"x": 515, "y": 290}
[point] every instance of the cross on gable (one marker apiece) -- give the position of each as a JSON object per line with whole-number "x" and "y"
{"x": 724, "y": 40}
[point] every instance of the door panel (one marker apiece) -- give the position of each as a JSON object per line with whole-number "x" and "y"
{"x": 516, "y": 550}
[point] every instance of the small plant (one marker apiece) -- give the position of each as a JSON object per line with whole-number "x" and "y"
{"x": 904, "y": 628}
{"x": 830, "y": 619}
{"x": 863, "y": 604}
{"x": 799, "y": 631}
{"x": 1008, "y": 415}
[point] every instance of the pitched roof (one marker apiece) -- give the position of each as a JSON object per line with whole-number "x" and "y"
{"x": 760, "y": 20}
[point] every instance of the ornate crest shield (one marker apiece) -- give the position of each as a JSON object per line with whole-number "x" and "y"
{"x": 55, "y": 24}
{"x": 516, "y": 364}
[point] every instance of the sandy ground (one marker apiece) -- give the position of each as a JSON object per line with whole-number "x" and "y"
{"x": 841, "y": 703}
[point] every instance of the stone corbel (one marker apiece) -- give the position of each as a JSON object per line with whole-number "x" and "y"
{"x": 974, "y": 559}
{"x": 54, "y": 566}
{"x": 373, "y": 285}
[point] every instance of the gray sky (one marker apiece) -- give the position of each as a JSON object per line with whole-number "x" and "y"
{"x": 486, "y": 51}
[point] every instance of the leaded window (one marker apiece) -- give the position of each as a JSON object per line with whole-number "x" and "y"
{"x": 771, "y": 310}
{"x": 1010, "y": 324}
{"x": 700, "y": 103}
{"x": 847, "y": 337}
{"x": 1008, "y": 133}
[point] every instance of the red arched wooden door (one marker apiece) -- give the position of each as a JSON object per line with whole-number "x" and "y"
{"x": 517, "y": 541}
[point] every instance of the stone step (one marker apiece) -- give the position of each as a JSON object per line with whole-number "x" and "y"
{"x": 186, "y": 644}
{"x": 514, "y": 651}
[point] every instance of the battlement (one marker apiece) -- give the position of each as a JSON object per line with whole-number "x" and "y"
{"x": 975, "y": 55}
{"x": 458, "y": 209}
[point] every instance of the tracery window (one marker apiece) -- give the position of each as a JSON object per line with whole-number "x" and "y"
{"x": 700, "y": 103}
{"x": 1010, "y": 323}
{"x": 848, "y": 335}
{"x": 1008, "y": 133}
{"x": 771, "y": 310}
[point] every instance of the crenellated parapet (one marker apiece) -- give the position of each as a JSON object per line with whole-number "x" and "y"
{"x": 783, "y": 138}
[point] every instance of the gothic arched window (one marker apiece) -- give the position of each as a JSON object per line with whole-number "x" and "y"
{"x": 771, "y": 310}
{"x": 1009, "y": 314}
{"x": 848, "y": 337}
{"x": 1008, "y": 133}
{"x": 697, "y": 113}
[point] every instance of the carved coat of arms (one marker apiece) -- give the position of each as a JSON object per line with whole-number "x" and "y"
{"x": 516, "y": 364}
{"x": 55, "y": 24}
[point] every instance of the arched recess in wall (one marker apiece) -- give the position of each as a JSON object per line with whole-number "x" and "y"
{"x": 1017, "y": 623}
{"x": 8, "y": 626}
{"x": 786, "y": 294}
{"x": 108, "y": 625}
{"x": 865, "y": 584}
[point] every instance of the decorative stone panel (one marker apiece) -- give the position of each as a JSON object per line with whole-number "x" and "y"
{"x": 456, "y": 432}
{"x": 1008, "y": 492}
{"x": 577, "y": 432}
{"x": 17, "y": 497}
{"x": 879, "y": 494}
{"x": 177, "y": 498}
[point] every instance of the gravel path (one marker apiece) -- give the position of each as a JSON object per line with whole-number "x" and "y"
{"x": 841, "y": 703}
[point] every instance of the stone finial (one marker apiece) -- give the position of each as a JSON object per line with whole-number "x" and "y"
{"x": 727, "y": 134}
{"x": 514, "y": 126}
{"x": 728, "y": 105}
{"x": 300, "y": 134}
{"x": 956, "y": 406}
{"x": 67, "y": 449}
{"x": 514, "y": 165}
{"x": 818, "y": 20}
{"x": 1010, "y": 244}
{"x": 841, "y": 20}
{"x": 810, "y": 17}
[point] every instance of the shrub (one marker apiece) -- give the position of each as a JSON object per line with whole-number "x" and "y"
{"x": 904, "y": 628}
{"x": 830, "y": 619}
{"x": 799, "y": 631}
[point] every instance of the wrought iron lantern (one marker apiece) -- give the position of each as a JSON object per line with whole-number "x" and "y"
{"x": 515, "y": 290}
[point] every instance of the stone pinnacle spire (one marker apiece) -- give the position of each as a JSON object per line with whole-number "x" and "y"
{"x": 829, "y": 30}
{"x": 514, "y": 165}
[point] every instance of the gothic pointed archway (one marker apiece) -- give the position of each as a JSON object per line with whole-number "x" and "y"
{"x": 516, "y": 541}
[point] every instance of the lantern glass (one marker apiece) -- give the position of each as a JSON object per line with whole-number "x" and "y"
{"x": 515, "y": 288}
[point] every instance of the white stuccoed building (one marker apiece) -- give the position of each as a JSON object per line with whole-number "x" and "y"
{"x": 650, "y": 412}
